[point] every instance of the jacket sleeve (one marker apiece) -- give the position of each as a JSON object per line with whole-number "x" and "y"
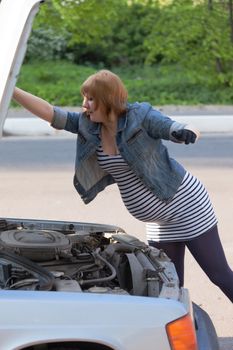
{"x": 68, "y": 121}
{"x": 161, "y": 126}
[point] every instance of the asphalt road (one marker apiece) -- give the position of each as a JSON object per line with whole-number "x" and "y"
{"x": 36, "y": 182}
{"x": 55, "y": 153}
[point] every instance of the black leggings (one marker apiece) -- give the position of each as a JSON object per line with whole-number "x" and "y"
{"x": 208, "y": 252}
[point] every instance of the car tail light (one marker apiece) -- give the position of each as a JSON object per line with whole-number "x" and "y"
{"x": 181, "y": 334}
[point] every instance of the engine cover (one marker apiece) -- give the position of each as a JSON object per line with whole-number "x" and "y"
{"x": 37, "y": 245}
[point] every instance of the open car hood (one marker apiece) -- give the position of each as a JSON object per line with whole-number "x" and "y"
{"x": 16, "y": 18}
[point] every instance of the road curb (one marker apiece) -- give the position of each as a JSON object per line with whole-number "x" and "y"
{"x": 208, "y": 123}
{"x": 30, "y": 127}
{"x": 25, "y": 124}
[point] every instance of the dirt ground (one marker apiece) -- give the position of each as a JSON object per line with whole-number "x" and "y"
{"x": 50, "y": 195}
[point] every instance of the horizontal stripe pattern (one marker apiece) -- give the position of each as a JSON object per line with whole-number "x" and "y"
{"x": 188, "y": 215}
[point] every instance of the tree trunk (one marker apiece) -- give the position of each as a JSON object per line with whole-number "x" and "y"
{"x": 219, "y": 66}
{"x": 210, "y": 5}
{"x": 230, "y": 4}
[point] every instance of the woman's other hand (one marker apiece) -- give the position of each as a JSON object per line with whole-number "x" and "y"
{"x": 185, "y": 135}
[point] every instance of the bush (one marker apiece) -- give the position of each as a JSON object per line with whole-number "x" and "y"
{"x": 59, "y": 82}
{"x": 45, "y": 44}
{"x": 56, "y": 81}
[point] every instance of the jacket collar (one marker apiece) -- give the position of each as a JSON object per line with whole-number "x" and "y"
{"x": 122, "y": 121}
{"x": 94, "y": 128}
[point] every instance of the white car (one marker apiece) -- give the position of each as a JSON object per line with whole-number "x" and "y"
{"x": 83, "y": 286}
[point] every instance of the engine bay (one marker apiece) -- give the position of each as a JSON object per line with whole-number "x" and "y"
{"x": 81, "y": 257}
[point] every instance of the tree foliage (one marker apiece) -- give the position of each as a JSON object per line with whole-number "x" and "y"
{"x": 194, "y": 35}
{"x": 86, "y": 20}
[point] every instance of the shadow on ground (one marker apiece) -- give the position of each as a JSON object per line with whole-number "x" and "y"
{"x": 226, "y": 343}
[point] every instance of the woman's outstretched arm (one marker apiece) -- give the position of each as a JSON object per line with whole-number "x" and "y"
{"x": 34, "y": 104}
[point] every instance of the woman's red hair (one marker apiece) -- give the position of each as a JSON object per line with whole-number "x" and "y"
{"x": 108, "y": 89}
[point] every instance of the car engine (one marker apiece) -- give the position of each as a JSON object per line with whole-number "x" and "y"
{"x": 81, "y": 257}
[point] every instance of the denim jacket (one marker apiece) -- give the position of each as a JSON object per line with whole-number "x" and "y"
{"x": 139, "y": 135}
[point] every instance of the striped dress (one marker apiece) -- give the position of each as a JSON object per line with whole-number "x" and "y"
{"x": 188, "y": 215}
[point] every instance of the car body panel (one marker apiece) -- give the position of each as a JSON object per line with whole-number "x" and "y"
{"x": 16, "y": 18}
{"x": 206, "y": 334}
{"x": 108, "y": 319}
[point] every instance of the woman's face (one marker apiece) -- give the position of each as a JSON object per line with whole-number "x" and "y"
{"x": 96, "y": 114}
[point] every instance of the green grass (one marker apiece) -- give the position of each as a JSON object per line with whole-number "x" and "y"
{"x": 59, "y": 83}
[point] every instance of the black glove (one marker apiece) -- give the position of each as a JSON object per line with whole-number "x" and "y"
{"x": 184, "y": 135}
